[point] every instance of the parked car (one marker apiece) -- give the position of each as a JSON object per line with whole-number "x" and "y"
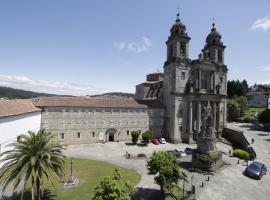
{"x": 155, "y": 141}
{"x": 182, "y": 153}
{"x": 162, "y": 141}
{"x": 178, "y": 154}
{"x": 256, "y": 170}
{"x": 188, "y": 151}
{"x": 174, "y": 152}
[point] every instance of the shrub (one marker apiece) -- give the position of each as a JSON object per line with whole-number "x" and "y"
{"x": 247, "y": 119}
{"x": 208, "y": 159}
{"x": 242, "y": 103}
{"x": 240, "y": 153}
{"x": 146, "y": 136}
{"x": 233, "y": 110}
{"x": 135, "y": 136}
{"x": 264, "y": 117}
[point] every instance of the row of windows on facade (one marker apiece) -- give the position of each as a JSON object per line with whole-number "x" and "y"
{"x": 120, "y": 123}
{"x": 93, "y": 134}
{"x": 94, "y": 111}
{"x": 204, "y": 79}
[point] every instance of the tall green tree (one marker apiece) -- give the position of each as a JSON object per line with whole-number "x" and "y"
{"x": 242, "y": 103}
{"x": 33, "y": 158}
{"x": 166, "y": 167}
{"x": 237, "y": 88}
{"x": 233, "y": 110}
{"x": 114, "y": 188}
{"x": 264, "y": 118}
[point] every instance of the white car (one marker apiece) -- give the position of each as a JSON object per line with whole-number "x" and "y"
{"x": 162, "y": 141}
{"x": 182, "y": 153}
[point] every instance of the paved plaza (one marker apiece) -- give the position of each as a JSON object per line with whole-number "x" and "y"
{"x": 229, "y": 183}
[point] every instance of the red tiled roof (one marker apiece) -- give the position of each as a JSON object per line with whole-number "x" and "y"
{"x": 87, "y": 102}
{"x": 11, "y": 107}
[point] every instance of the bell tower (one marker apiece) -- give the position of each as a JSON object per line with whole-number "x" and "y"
{"x": 176, "y": 75}
{"x": 178, "y": 41}
{"x": 214, "y": 48}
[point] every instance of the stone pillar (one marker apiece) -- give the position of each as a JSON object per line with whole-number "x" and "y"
{"x": 198, "y": 120}
{"x": 212, "y": 82}
{"x": 218, "y": 116}
{"x": 214, "y": 114}
{"x": 178, "y": 51}
{"x": 199, "y": 80}
{"x": 190, "y": 112}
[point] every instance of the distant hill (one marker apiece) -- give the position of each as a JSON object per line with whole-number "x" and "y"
{"x": 114, "y": 95}
{"x": 12, "y": 93}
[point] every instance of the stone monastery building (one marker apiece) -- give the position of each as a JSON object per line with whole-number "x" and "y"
{"x": 170, "y": 103}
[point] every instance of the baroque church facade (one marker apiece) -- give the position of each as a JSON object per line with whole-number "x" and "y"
{"x": 188, "y": 86}
{"x": 170, "y": 103}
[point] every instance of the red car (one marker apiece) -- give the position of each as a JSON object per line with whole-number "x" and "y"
{"x": 155, "y": 141}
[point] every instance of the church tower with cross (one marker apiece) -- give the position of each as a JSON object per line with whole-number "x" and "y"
{"x": 188, "y": 85}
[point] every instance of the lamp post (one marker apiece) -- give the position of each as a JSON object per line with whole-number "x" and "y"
{"x": 71, "y": 167}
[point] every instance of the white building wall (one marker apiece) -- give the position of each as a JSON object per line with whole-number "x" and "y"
{"x": 13, "y": 126}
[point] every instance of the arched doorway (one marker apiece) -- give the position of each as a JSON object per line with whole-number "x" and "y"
{"x": 110, "y": 135}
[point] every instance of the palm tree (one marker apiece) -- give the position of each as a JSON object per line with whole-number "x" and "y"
{"x": 33, "y": 157}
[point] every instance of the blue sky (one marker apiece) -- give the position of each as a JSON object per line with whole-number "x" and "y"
{"x": 85, "y": 47}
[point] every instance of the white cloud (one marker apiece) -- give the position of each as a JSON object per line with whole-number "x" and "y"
{"x": 265, "y": 68}
{"x": 56, "y": 87}
{"x": 263, "y": 24}
{"x": 133, "y": 46}
{"x": 120, "y": 46}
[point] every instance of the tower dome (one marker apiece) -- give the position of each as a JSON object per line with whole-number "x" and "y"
{"x": 178, "y": 28}
{"x": 214, "y": 37}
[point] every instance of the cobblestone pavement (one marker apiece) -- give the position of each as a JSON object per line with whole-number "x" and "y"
{"x": 230, "y": 183}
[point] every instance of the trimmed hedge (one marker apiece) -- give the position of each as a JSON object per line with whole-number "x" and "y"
{"x": 135, "y": 136}
{"x": 146, "y": 136}
{"x": 205, "y": 162}
{"x": 240, "y": 153}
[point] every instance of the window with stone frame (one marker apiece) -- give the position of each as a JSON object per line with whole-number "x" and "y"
{"x": 204, "y": 80}
{"x": 219, "y": 56}
{"x": 183, "y": 75}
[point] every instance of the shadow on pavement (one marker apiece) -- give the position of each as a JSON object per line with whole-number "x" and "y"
{"x": 185, "y": 165}
{"x": 130, "y": 144}
{"x": 147, "y": 193}
{"x": 268, "y": 140}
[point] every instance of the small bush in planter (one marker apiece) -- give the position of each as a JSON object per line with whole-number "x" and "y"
{"x": 240, "y": 153}
{"x": 146, "y": 136}
{"x": 135, "y": 136}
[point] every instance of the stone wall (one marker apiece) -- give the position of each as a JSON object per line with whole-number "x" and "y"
{"x": 75, "y": 125}
{"x": 238, "y": 139}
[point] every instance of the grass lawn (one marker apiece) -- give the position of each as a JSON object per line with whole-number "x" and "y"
{"x": 177, "y": 191}
{"x": 252, "y": 111}
{"x": 89, "y": 173}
